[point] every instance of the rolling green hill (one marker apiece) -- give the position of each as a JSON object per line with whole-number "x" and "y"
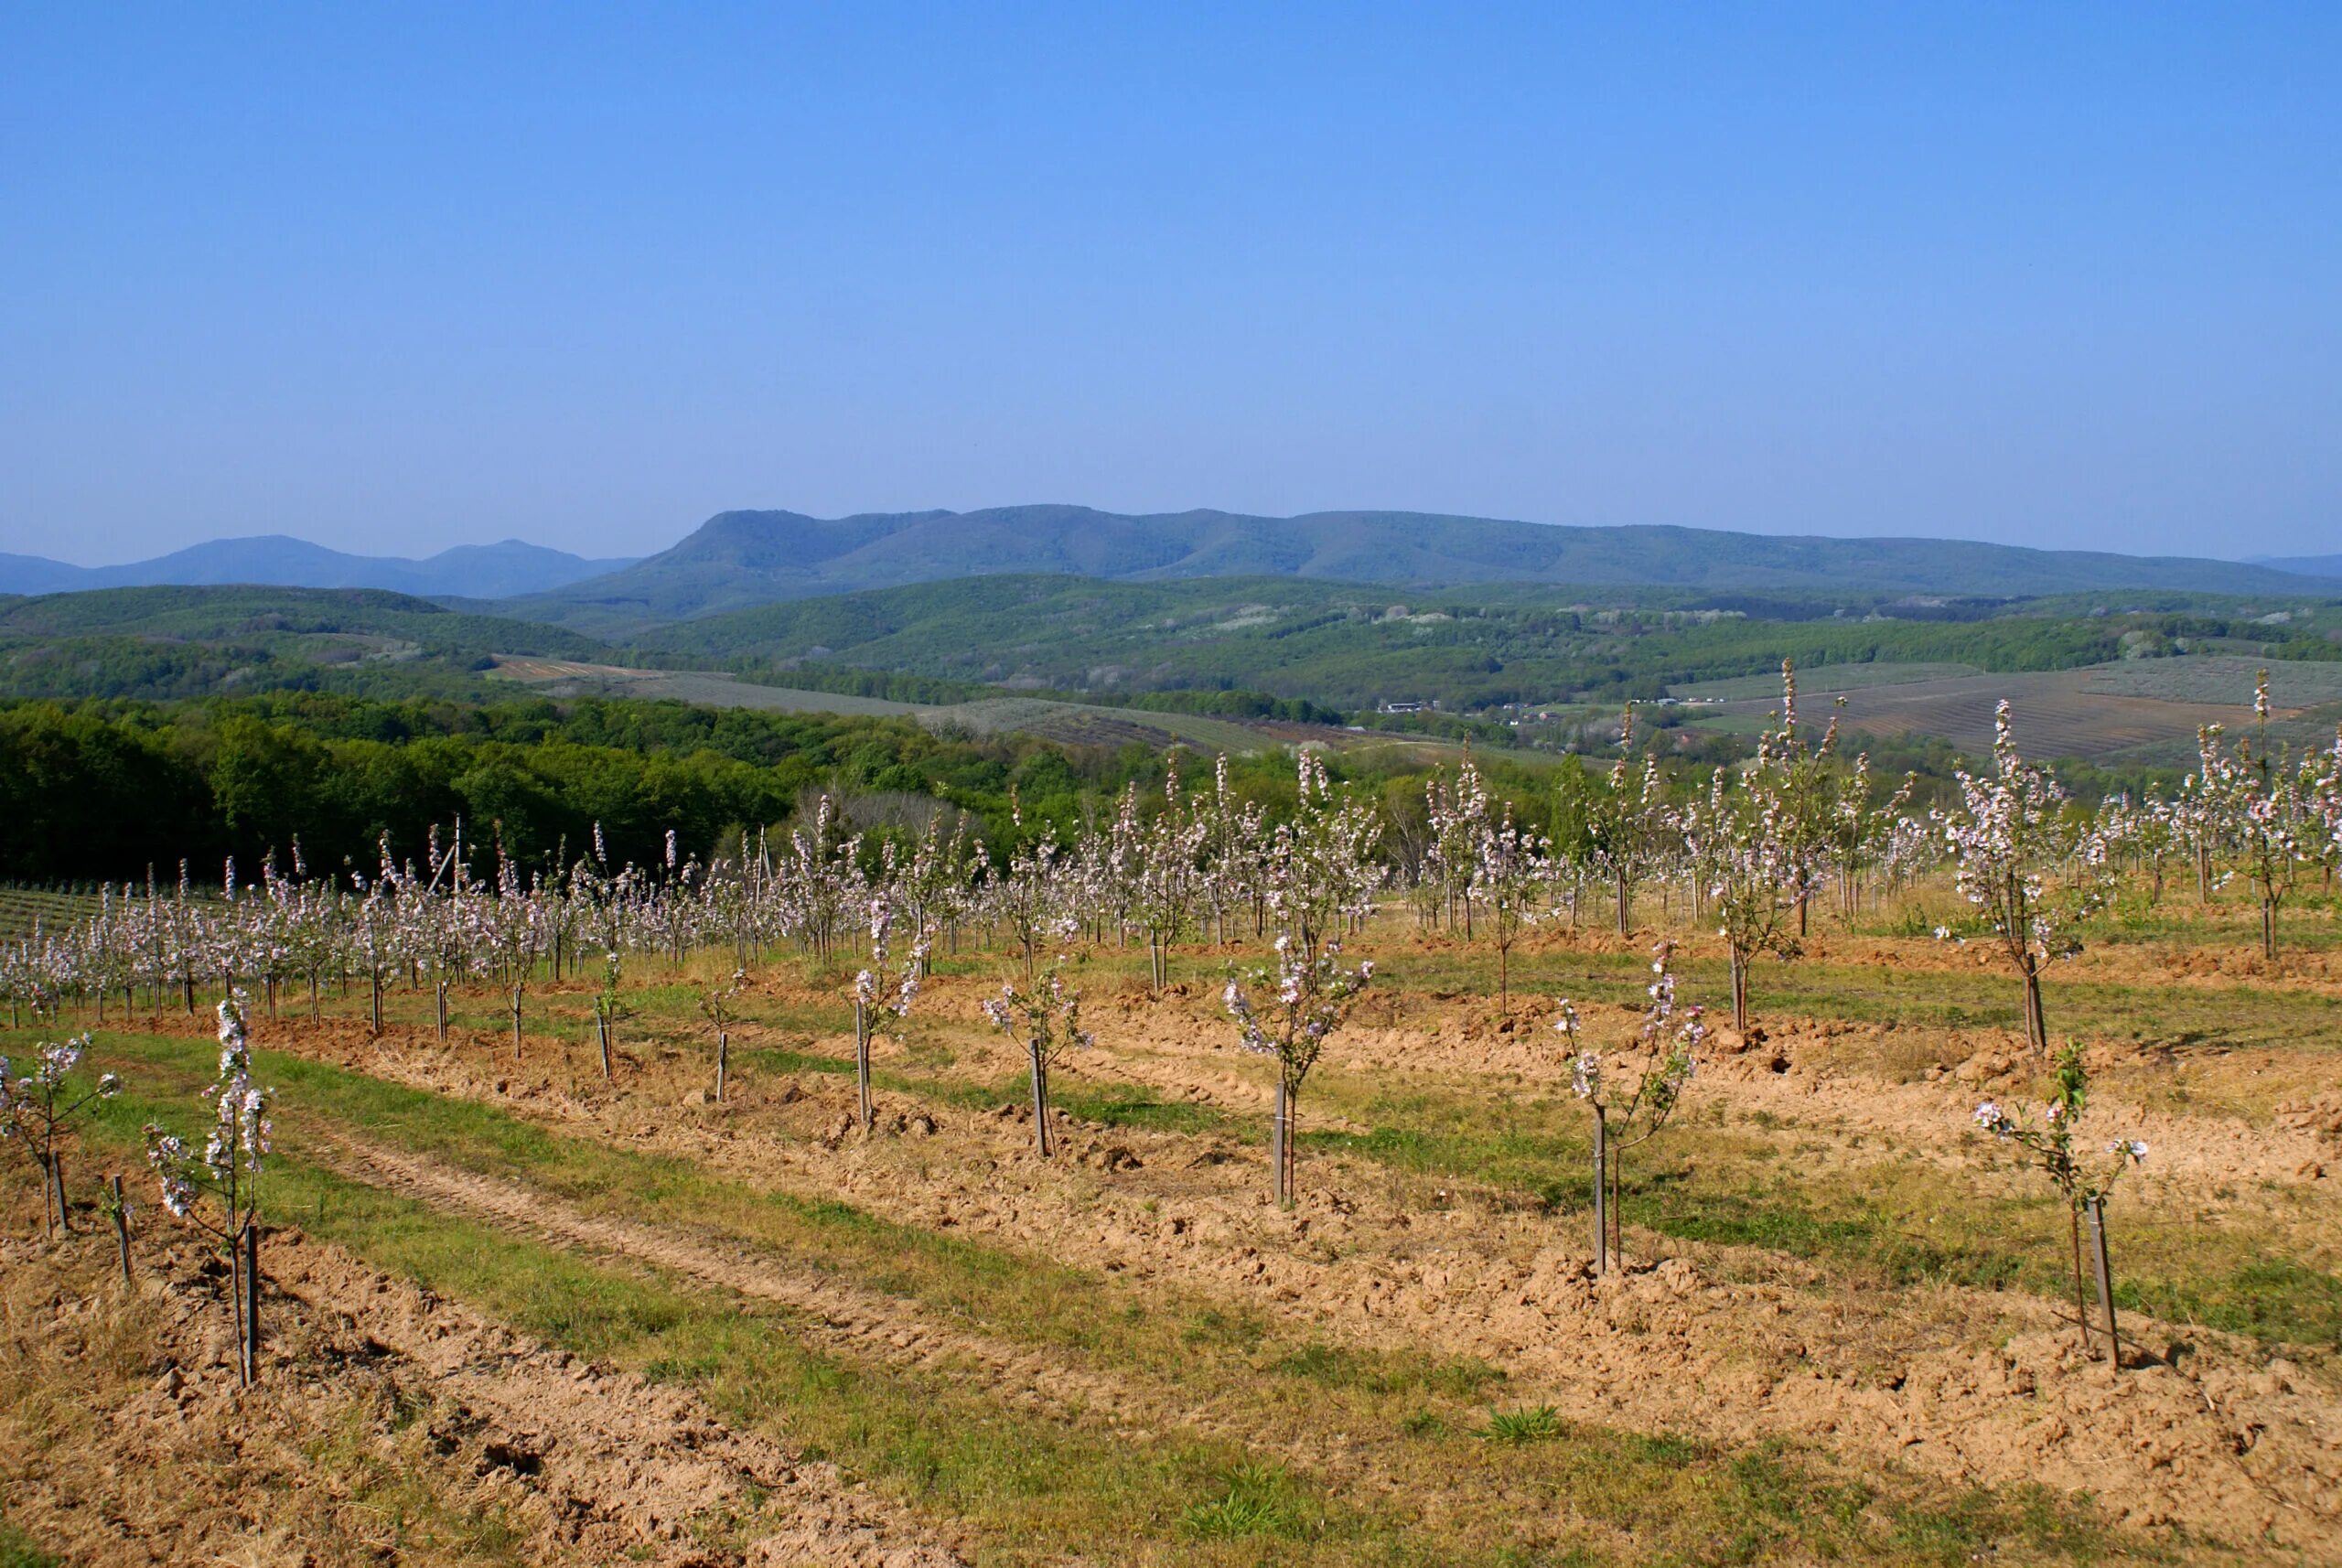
{"x": 1350, "y": 647}
{"x": 196, "y": 641}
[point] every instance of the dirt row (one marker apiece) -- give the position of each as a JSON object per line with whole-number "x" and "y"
{"x": 390, "y": 1425}
{"x": 1816, "y": 1072}
{"x": 2234, "y": 961}
{"x": 1969, "y": 1386}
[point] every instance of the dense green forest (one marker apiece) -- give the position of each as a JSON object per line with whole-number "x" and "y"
{"x": 104, "y": 790}
{"x": 101, "y": 791}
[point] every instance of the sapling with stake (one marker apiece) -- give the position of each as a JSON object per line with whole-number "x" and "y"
{"x": 2083, "y": 1180}
{"x": 1046, "y": 1019}
{"x": 888, "y": 985}
{"x": 225, "y": 1176}
{"x": 1633, "y": 1095}
{"x": 715, "y": 1006}
{"x": 37, "y": 1108}
{"x": 608, "y": 1008}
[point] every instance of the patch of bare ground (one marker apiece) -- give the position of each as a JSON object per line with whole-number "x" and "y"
{"x": 2105, "y": 962}
{"x": 1968, "y": 1385}
{"x": 864, "y": 1323}
{"x": 389, "y": 1426}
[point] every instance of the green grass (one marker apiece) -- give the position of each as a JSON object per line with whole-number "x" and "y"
{"x": 1260, "y": 1500}
{"x": 1529, "y": 1423}
{"x": 19, "y": 1550}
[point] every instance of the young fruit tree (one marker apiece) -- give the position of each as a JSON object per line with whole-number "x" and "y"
{"x": 889, "y": 985}
{"x": 1760, "y": 847}
{"x": 715, "y": 1006}
{"x": 1512, "y": 871}
{"x": 2267, "y": 805}
{"x": 219, "y": 1189}
{"x": 2032, "y": 869}
{"x": 608, "y": 1008}
{"x": 1321, "y": 874}
{"x": 1625, "y": 821}
{"x": 1045, "y": 1018}
{"x": 1633, "y": 1094}
{"x": 1166, "y": 876}
{"x": 37, "y": 1108}
{"x": 2082, "y": 1180}
{"x": 1459, "y": 821}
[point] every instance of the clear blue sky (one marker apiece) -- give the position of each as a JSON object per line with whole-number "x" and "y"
{"x": 399, "y": 277}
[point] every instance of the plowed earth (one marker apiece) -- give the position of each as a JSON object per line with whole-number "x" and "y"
{"x": 1970, "y": 1385}
{"x": 389, "y": 1425}
{"x": 2200, "y": 1437}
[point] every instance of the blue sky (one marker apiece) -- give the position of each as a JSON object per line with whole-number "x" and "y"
{"x": 396, "y": 278}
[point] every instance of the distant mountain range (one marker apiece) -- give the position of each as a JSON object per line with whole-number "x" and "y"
{"x": 2307, "y": 565}
{"x": 740, "y": 559}
{"x": 471, "y": 571}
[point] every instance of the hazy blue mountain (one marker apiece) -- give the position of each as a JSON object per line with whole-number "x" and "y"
{"x": 2307, "y": 565}
{"x": 474, "y": 570}
{"x": 33, "y": 575}
{"x": 738, "y": 559}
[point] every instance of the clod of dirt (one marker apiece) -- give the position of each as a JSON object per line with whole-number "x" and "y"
{"x": 1110, "y": 1157}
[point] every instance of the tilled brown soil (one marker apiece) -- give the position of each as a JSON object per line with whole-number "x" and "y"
{"x": 389, "y": 1425}
{"x": 1970, "y": 1386}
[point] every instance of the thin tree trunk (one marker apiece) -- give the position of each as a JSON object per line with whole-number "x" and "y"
{"x": 722, "y": 1060}
{"x": 252, "y": 1302}
{"x": 1040, "y": 1100}
{"x": 236, "y": 1306}
{"x": 2097, "y": 1204}
{"x": 122, "y": 1229}
{"x": 2081, "y": 1302}
{"x": 1280, "y": 1131}
{"x": 1601, "y": 1192}
{"x": 2037, "y": 1027}
{"x": 1617, "y": 1207}
{"x": 865, "y": 1111}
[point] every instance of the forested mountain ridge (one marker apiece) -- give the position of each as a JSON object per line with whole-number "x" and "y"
{"x": 738, "y": 559}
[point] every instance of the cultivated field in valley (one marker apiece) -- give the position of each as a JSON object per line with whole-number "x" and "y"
{"x": 2143, "y": 711}
{"x": 1067, "y": 724}
{"x": 518, "y": 1312}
